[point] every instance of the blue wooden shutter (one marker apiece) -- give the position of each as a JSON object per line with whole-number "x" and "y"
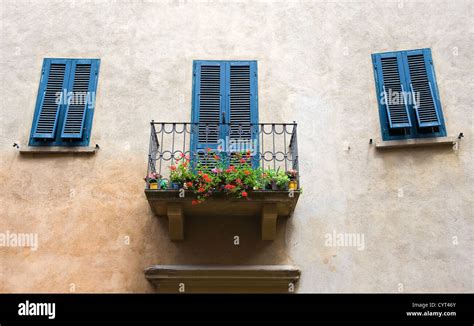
{"x": 421, "y": 77}
{"x": 82, "y": 85}
{"x": 242, "y": 102}
{"x": 51, "y": 95}
{"x": 242, "y": 99}
{"x": 208, "y": 91}
{"x": 393, "y": 89}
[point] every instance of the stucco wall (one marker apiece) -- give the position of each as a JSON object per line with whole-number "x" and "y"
{"x": 314, "y": 67}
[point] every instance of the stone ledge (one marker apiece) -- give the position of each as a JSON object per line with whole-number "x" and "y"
{"x": 223, "y": 279}
{"x": 417, "y": 142}
{"x": 57, "y": 150}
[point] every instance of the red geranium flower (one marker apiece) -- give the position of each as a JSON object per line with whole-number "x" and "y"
{"x": 189, "y": 184}
{"x": 242, "y": 160}
{"x": 244, "y": 194}
{"x": 195, "y": 202}
{"x": 173, "y": 168}
{"x": 247, "y": 172}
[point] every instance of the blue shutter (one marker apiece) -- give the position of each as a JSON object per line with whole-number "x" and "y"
{"x": 82, "y": 88}
{"x": 51, "y": 95}
{"x": 242, "y": 102}
{"x": 393, "y": 89}
{"x": 421, "y": 77}
{"x": 208, "y": 91}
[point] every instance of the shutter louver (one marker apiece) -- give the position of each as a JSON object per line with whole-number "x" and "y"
{"x": 397, "y": 110}
{"x": 209, "y": 102}
{"x": 46, "y": 123}
{"x": 239, "y": 103}
{"x": 81, "y": 95}
{"x": 422, "y": 90}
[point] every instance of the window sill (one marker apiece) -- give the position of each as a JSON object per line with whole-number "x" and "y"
{"x": 222, "y": 279}
{"x": 418, "y": 142}
{"x": 57, "y": 150}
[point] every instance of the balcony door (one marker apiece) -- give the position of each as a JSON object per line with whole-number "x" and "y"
{"x": 225, "y": 107}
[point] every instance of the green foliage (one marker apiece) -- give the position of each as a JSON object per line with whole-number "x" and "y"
{"x": 235, "y": 176}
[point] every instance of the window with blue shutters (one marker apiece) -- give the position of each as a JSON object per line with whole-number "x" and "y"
{"x": 65, "y": 103}
{"x": 407, "y": 94}
{"x": 225, "y": 105}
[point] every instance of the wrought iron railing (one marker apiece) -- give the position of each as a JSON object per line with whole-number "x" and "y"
{"x": 274, "y": 145}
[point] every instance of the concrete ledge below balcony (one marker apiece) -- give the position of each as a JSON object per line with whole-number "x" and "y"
{"x": 267, "y": 205}
{"x": 416, "y": 142}
{"x": 223, "y": 279}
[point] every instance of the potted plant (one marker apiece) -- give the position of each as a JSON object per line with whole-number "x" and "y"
{"x": 281, "y": 180}
{"x": 292, "y": 175}
{"x": 180, "y": 173}
{"x": 153, "y": 180}
{"x": 269, "y": 179}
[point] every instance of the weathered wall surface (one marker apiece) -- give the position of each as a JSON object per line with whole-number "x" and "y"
{"x": 314, "y": 67}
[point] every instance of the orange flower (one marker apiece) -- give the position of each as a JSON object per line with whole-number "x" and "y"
{"x": 247, "y": 172}
{"x": 216, "y": 157}
{"x": 173, "y": 168}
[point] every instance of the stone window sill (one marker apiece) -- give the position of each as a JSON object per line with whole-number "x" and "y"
{"x": 58, "y": 150}
{"x": 223, "y": 279}
{"x": 418, "y": 142}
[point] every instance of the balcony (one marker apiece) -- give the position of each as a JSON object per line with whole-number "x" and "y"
{"x": 270, "y": 159}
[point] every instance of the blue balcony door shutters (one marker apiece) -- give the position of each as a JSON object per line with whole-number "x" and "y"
{"x": 209, "y": 82}
{"x": 225, "y": 104}
{"x": 420, "y": 74}
{"x": 53, "y": 82}
{"x": 65, "y": 103}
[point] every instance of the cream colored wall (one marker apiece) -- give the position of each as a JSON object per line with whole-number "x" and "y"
{"x": 314, "y": 67}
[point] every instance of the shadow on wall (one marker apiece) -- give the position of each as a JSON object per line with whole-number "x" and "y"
{"x": 222, "y": 240}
